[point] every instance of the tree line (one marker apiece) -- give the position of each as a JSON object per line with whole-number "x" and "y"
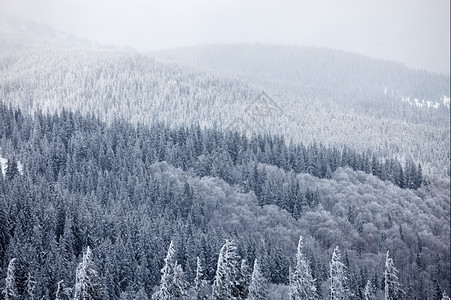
{"x": 233, "y": 280}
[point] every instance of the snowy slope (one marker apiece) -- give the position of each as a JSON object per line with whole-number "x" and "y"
{"x": 119, "y": 83}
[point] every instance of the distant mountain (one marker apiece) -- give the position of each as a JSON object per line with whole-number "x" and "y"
{"x": 322, "y": 96}
{"x": 19, "y": 34}
{"x": 354, "y": 81}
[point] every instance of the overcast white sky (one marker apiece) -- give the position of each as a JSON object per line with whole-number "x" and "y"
{"x": 415, "y": 32}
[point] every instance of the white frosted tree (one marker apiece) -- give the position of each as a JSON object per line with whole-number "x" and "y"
{"x": 243, "y": 280}
{"x": 30, "y": 285}
{"x": 200, "y": 284}
{"x": 227, "y": 279}
{"x": 180, "y": 283}
{"x": 445, "y": 297}
{"x": 369, "y": 293}
{"x": 393, "y": 289}
{"x": 173, "y": 284}
{"x": 62, "y": 292}
{"x": 302, "y": 283}
{"x": 87, "y": 282}
{"x": 220, "y": 288}
{"x": 258, "y": 286}
{"x": 10, "y": 291}
{"x": 338, "y": 277}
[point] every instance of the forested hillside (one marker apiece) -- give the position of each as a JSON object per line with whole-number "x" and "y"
{"x": 120, "y": 83}
{"x": 366, "y": 85}
{"x": 361, "y": 98}
{"x": 126, "y": 192}
{"x": 219, "y": 172}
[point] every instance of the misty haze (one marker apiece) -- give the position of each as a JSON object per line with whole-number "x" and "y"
{"x": 225, "y": 150}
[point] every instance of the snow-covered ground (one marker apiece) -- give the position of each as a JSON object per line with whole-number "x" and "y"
{"x": 446, "y": 101}
{"x": 426, "y": 103}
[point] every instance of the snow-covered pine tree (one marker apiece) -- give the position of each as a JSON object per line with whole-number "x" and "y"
{"x": 338, "y": 277}
{"x": 291, "y": 285}
{"x": 445, "y": 297}
{"x": 369, "y": 292}
{"x": 59, "y": 290}
{"x": 12, "y": 169}
{"x": 180, "y": 284}
{"x": 30, "y": 285}
{"x": 173, "y": 284}
{"x": 243, "y": 280}
{"x": 200, "y": 284}
{"x": 87, "y": 282}
{"x": 4, "y": 226}
{"x": 220, "y": 289}
{"x": 10, "y": 291}
{"x": 62, "y": 292}
{"x": 226, "y": 283}
{"x": 233, "y": 263}
{"x": 302, "y": 284}
{"x": 258, "y": 287}
{"x": 393, "y": 289}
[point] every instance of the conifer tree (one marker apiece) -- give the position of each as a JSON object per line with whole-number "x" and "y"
{"x": 4, "y": 230}
{"x": 200, "y": 284}
{"x": 87, "y": 283}
{"x": 12, "y": 169}
{"x": 393, "y": 289}
{"x": 243, "y": 280}
{"x": 10, "y": 291}
{"x": 62, "y": 292}
{"x": 173, "y": 284}
{"x": 226, "y": 283}
{"x": 221, "y": 289}
{"x": 302, "y": 284}
{"x": 258, "y": 286}
{"x": 369, "y": 292}
{"x": 180, "y": 284}
{"x": 338, "y": 277}
{"x": 30, "y": 286}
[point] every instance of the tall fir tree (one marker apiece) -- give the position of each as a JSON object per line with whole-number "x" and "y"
{"x": 30, "y": 286}
{"x": 243, "y": 280}
{"x": 338, "y": 277}
{"x": 10, "y": 291}
{"x": 393, "y": 289}
{"x": 180, "y": 284}
{"x": 12, "y": 169}
{"x": 220, "y": 288}
{"x": 258, "y": 286}
{"x": 87, "y": 282}
{"x": 62, "y": 292}
{"x": 200, "y": 283}
{"x": 173, "y": 284}
{"x": 226, "y": 284}
{"x": 369, "y": 293}
{"x": 302, "y": 284}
